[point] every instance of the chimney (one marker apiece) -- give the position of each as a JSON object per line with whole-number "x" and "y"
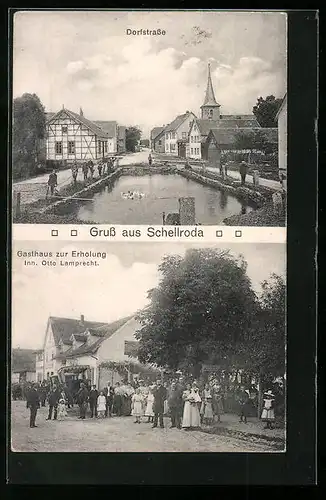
{"x": 81, "y": 112}
{"x": 82, "y": 319}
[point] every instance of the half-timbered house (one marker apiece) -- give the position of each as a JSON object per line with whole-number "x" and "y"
{"x": 72, "y": 137}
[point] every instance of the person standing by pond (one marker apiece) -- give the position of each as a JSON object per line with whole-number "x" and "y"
{"x": 150, "y": 160}
{"x": 33, "y": 403}
{"x": 99, "y": 168}
{"x": 74, "y": 172}
{"x": 52, "y": 182}
{"x": 85, "y": 170}
{"x": 91, "y": 168}
{"x": 243, "y": 172}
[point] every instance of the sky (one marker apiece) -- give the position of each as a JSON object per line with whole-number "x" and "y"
{"x": 115, "y": 289}
{"x": 86, "y": 59}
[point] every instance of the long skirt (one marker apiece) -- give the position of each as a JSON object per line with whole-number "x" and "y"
{"x": 191, "y": 416}
{"x": 268, "y": 415}
{"x": 137, "y": 410}
{"x": 206, "y": 410}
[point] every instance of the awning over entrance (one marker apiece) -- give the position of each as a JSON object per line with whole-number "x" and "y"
{"x": 70, "y": 370}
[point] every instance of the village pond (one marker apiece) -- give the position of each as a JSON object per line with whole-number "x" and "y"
{"x": 160, "y": 194}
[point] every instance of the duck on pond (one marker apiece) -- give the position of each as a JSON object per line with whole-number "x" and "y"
{"x": 132, "y": 195}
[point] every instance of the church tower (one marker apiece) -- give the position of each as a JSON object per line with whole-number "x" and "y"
{"x": 210, "y": 110}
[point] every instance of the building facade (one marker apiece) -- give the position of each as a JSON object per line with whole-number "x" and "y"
{"x": 23, "y": 365}
{"x": 157, "y": 140}
{"x": 72, "y": 137}
{"x": 77, "y": 349}
{"x": 176, "y": 134}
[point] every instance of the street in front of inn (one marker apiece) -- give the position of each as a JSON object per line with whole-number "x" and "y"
{"x": 117, "y": 434}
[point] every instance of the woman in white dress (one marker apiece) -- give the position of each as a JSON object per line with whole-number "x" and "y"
{"x": 137, "y": 406}
{"x": 149, "y": 406}
{"x": 206, "y": 410}
{"x": 101, "y": 405}
{"x": 191, "y": 415}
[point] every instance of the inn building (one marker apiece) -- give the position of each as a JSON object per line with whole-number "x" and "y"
{"x": 78, "y": 349}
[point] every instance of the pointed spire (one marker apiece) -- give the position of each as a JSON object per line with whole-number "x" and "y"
{"x": 210, "y": 97}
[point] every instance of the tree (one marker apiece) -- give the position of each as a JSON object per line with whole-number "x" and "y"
{"x": 265, "y": 349}
{"x": 28, "y": 131}
{"x": 254, "y": 140}
{"x": 266, "y": 109}
{"x": 202, "y": 308}
{"x": 133, "y": 135}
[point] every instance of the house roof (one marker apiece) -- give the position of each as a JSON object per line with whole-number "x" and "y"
{"x": 155, "y": 132}
{"x": 23, "y": 360}
{"x": 93, "y": 127}
{"x": 49, "y": 115}
{"x": 177, "y": 122}
{"x": 103, "y": 332}
{"x": 63, "y": 328}
{"x": 109, "y": 127}
{"x": 238, "y": 121}
{"x": 80, "y": 337}
{"x": 228, "y": 136}
{"x": 210, "y": 96}
{"x": 206, "y": 125}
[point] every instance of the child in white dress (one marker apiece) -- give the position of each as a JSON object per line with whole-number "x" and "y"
{"x": 149, "y": 406}
{"x": 268, "y": 415}
{"x": 62, "y": 412}
{"x": 101, "y": 405}
{"x": 137, "y": 406}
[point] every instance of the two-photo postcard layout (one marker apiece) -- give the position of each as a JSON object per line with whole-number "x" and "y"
{"x": 149, "y": 210}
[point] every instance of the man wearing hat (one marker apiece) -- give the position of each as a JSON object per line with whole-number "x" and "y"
{"x": 243, "y": 172}
{"x": 33, "y": 403}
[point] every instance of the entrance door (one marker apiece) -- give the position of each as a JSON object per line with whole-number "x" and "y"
{"x": 181, "y": 150}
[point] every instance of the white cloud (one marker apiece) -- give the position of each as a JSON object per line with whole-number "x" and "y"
{"x": 87, "y": 60}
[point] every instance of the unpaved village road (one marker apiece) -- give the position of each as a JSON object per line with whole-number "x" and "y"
{"x": 117, "y": 434}
{"x": 33, "y": 189}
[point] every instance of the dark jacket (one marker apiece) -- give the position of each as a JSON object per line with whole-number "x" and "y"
{"x": 243, "y": 168}
{"x": 175, "y": 397}
{"x": 53, "y": 179}
{"x": 54, "y": 397}
{"x": 159, "y": 398}
{"x": 93, "y": 395}
{"x": 82, "y": 396}
{"x": 33, "y": 399}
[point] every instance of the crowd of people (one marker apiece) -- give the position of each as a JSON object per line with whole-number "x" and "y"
{"x": 188, "y": 403}
{"x": 88, "y": 169}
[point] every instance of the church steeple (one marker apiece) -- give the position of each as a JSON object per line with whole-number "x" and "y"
{"x": 211, "y": 108}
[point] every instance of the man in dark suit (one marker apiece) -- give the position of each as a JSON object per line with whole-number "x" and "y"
{"x": 33, "y": 403}
{"x": 93, "y": 395}
{"x": 158, "y": 405}
{"x": 53, "y": 398}
{"x": 175, "y": 404}
{"x": 82, "y": 399}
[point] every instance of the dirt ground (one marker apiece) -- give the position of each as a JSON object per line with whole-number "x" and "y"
{"x": 117, "y": 434}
